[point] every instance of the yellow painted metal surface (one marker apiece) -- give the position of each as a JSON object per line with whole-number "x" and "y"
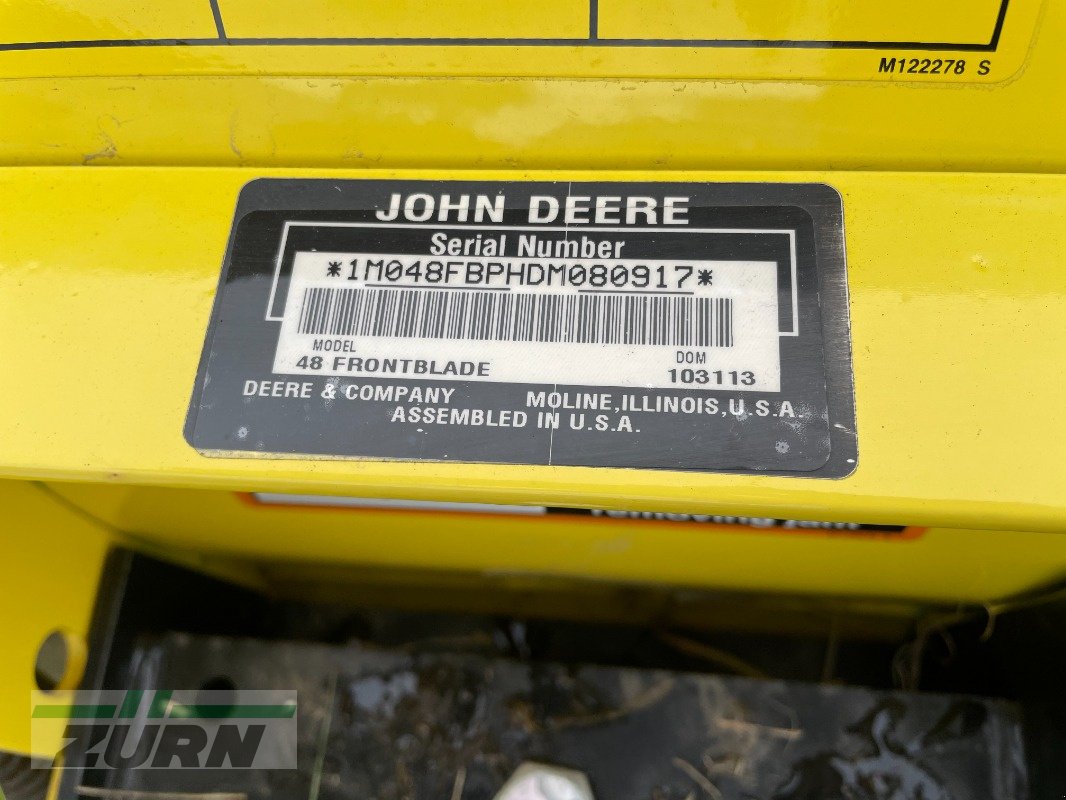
{"x": 954, "y": 202}
{"x": 361, "y": 124}
{"x": 561, "y": 38}
{"x": 372, "y": 107}
{"x": 958, "y": 302}
{"x": 289, "y": 542}
{"x": 50, "y": 560}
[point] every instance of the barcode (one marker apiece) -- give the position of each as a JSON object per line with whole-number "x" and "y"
{"x": 682, "y": 321}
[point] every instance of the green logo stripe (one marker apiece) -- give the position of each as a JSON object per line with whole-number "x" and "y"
{"x": 130, "y": 703}
{"x": 286, "y": 711}
{"x": 158, "y": 708}
{"x": 64, "y": 711}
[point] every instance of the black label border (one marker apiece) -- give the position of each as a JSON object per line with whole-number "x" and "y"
{"x": 820, "y": 202}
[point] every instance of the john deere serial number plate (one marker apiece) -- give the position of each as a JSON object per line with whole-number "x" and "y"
{"x": 673, "y": 326}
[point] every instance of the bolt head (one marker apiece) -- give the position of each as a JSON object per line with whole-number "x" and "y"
{"x": 533, "y": 781}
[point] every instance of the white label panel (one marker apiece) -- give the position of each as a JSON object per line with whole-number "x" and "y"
{"x": 584, "y": 321}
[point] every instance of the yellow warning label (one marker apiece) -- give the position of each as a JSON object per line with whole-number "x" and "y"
{"x": 406, "y": 19}
{"x": 46, "y": 22}
{"x": 805, "y": 22}
{"x": 906, "y": 40}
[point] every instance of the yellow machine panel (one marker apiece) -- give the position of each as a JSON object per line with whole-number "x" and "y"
{"x": 128, "y": 131}
{"x": 114, "y": 354}
{"x": 52, "y": 556}
{"x": 950, "y": 42}
{"x": 294, "y": 539}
